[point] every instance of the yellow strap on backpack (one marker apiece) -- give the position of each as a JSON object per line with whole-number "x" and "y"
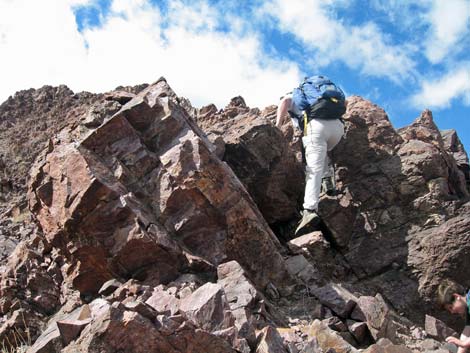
{"x": 305, "y": 123}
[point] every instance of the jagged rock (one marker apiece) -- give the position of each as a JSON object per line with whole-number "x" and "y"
{"x": 106, "y": 333}
{"x": 300, "y": 267}
{"x": 109, "y": 287}
{"x": 259, "y": 156}
{"x": 437, "y": 329}
{"x": 242, "y": 297}
{"x": 335, "y": 324}
{"x": 49, "y": 341}
{"x": 143, "y": 309}
{"x": 381, "y": 320}
{"x": 433, "y": 249}
{"x": 313, "y": 243}
{"x": 208, "y": 308}
{"x": 122, "y": 97}
{"x": 328, "y": 263}
{"x": 31, "y": 277}
{"x": 455, "y": 148}
{"x": 70, "y": 329}
{"x": 163, "y": 301}
{"x": 137, "y": 192}
{"x": 337, "y": 298}
{"x": 358, "y": 329}
{"x": 327, "y": 338}
{"x": 270, "y": 341}
{"x": 393, "y": 185}
{"x": 132, "y": 290}
{"x": 385, "y": 346}
{"x": 152, "y": 160}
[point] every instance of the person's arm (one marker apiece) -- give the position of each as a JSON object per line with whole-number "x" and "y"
{"x": 282, "y": 109}
{"x": 463, "y": 343}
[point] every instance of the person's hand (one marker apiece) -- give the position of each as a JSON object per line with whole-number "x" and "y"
{"x": 453, "y": 340}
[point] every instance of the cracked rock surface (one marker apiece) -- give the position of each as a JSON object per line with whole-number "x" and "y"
{"x": 148, "y": 225}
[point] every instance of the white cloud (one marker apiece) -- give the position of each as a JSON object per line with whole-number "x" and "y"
{"x": 450, "y": 28}
{"x": 440, "y": 92}
{"x": 40, "y": 44}
{"x": 363, "y": 47}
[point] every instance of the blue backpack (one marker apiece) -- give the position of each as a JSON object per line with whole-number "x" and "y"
{"x": 319, "y": 98}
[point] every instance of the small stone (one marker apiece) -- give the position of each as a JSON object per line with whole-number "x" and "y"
{"x": 109, "y": 287}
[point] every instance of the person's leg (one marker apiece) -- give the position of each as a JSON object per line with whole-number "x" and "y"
{"x": 315, "y": 146}
{"x": 334, "y": 131}
{"x": 327, "y": 167}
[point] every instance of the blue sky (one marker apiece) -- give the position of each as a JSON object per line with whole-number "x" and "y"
{"x": 403, "y": 55}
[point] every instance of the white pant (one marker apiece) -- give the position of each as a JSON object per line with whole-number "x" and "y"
{"x": 322, "y": 136}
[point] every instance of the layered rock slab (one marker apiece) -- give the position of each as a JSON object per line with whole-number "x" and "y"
{"x": 139, "y": 195}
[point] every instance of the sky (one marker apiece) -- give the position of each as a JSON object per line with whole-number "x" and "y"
{"x": 403, "y": 55}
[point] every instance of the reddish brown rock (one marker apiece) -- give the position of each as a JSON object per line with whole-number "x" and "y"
{"x": 259, "y": 155}
{"x": 106, "y": 333}
{"x": 337, "y": 298}
{"x": 163, "y": 301}
{"x": 49, "y": 341}
{"x": 137, "y": 192}
{"x": 381, "y": 320}
{"x": 358, "y": 329}
{"x": 208, "y": 308}
{"x": 335, "y": 324}
{"x": 270, "y": 341}
{"x": 435, "y": 328}
{"x": 123, "y": 186}
{"x": 327, "y": 338}
{"x": 242, "y": 297}
{"x": 387, "y": 348}
{"x": 70, "y": 329}
{"x": 109, "y": 287}
{"x": 454, "y": 147}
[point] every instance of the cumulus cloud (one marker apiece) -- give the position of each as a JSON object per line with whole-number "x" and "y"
{"x": 135, "y": 43}
{"x": 449, "y": 28}
{"x": 441, "y": 92}
{"x": 40, "y": 44}
{"x": 364, "y": 47}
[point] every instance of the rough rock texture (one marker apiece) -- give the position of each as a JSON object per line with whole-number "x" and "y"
{"x": 454, "y": 147}
{"x": 154, "y": 226}
{"x": 272, "y": 175}
{"x": 397, "y": 187}
{"x": 128, "y": 198}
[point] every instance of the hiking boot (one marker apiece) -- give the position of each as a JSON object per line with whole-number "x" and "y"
{"x": 328, "y": 186}
{"x": 310, "y": 218}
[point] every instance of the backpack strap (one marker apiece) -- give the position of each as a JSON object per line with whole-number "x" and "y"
{"x": 305, "y": 123}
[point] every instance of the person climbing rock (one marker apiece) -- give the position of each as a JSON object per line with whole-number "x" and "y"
{"x": 456, "y": 300}
{"x": 316, "y": 108}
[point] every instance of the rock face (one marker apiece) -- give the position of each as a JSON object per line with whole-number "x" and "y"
{"x": 397, "y": 187}
{"x": 153, "y": 226}
{"x": 144, "y": 193}
{"x": 259, "y": 156}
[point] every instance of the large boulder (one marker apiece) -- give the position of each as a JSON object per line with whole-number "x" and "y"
{"x": 118, "y": 330}
{"x": 141, "y": 195}
{"x": 259, "y": 155}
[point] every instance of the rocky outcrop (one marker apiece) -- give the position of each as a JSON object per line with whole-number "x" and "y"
{"x": 454, "y": 147}
{"x": 259, "y": 155}
{"x": 155, "y": 226}
{"x": 395, "y": 187}
{"x": 142, "y": 195}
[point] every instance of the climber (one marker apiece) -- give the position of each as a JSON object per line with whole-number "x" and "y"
{"x": 456, "y": 300}
{"x": 315, "y": 108}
